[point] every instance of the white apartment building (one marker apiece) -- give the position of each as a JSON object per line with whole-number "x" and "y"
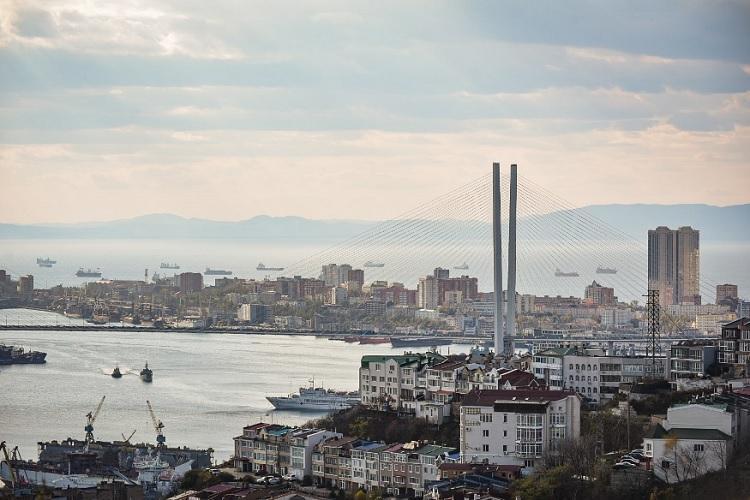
{"x": 694, "y": 439}
{"x": 516, "y": 427}
{"x": 390, "y": 381}
{"x": 596, "y": 378}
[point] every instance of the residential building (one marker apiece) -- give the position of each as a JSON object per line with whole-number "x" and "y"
{"x": 693, "y": 440}
{"x": 548, "y": 365}
{"x": 598, "y": 295}
{"x": 278, "y": 449}
{"x": 389, "y": 381}
{"x": 710, "y": 324}
{"x": 734, "y": 348}
{"x": 674, "y": 264}
{"x": 428, "y": 296}
{"x": 726, "y": 292}
{"x": 357, "y": 276}
{"x": 190, "y": 282}
{"x": 691, "y": 358}
{"x": 516, "y": 427}
{"x": 26, "y": 286}
{"x": 255, "y": 313}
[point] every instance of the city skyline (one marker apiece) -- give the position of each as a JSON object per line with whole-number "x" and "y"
{"x": 137, "y": 107}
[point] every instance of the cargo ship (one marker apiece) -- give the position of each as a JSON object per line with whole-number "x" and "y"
{"x": 11, "y": 355}
{"x": 167, "y": 265}
{"x": 606, "y": 270}
{"x": 563, "y": 274}
{"x": 419, "y": 342}
{"x": 45, "y": 262}
{"x": 262, "y": 267}
{"x": 462, "y": 267}
{"x": 217, "y": 272}
{"x": 88, "y": 273}
{"x": 315, "y": 399}
{"x": 370, "y": 263}
{"x": 372, "y": 339}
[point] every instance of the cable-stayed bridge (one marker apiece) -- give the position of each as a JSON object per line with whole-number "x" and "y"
{"x": 559, "y": 247}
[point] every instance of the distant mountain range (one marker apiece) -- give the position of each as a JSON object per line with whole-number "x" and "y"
{"x": 717, "y": 224}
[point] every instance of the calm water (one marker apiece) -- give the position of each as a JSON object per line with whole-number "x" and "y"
{"x": 206, "y": 386}
{"x": 127, "y": 259}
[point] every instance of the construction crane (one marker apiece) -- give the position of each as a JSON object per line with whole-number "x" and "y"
{"x": 90, "y": 419}
{"x": 13, "y": 480}
{"x": 158, "y": 427}
{"x": 126, "y": 440}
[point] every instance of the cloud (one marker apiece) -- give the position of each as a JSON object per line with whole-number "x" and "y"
{"x": 317, "y": 97}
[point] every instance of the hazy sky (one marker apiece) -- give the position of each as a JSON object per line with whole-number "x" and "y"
{"x": 352, "y": 109}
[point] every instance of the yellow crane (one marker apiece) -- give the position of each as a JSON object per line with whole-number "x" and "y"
{"x": 158, "y": 427}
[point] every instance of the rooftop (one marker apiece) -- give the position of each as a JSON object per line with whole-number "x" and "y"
{"x": 688, "y": 433}
{"x": 489, "y": 398}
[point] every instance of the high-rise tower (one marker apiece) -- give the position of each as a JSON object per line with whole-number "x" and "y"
{"x": 674, "y": 264}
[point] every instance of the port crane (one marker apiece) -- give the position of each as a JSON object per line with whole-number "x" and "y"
{"x": 158, "y": 427}
{"x": 13, "y": 479}
{"x": 126, "y": 440}
{"x": 90, "y": 419}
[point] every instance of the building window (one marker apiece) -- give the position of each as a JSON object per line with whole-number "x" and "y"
{"x": 485, "y": 447}
{"x": 505, "y": 433}
{"x": 697, "y": 447}
{"x": 505, "y": 448}
{"x": 485, "y": 433}
{"x": 505, "y": 418}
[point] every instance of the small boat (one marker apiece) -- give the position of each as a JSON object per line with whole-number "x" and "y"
{"x": 263, "y": 267}
{"x": 146, "y": 374}
{"x": 116, "y": 372}
{"x": 606, "y": 270}
{"x": 563, "y": 274}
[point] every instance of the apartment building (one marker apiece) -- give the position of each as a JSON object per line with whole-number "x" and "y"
{"x": 516, "y": 427}
{"x": 390, "y": 381}
{"x": 691, "y": 358}
{"x": 277, "y": 449}
{"x": 596, "y": 378}
{"x": 734, "y": 348}
{"x": 694, "y": 439}
{"x": 399, "y": 469}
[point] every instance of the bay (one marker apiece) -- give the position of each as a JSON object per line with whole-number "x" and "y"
{"x": 206, "y": 386}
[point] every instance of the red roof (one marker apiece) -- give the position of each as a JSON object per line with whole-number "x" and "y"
{"x": 489, "y": 398}
{"x": 220, "y": 488}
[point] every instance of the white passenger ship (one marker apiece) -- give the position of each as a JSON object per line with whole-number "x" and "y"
{"x": 315, "y": 399}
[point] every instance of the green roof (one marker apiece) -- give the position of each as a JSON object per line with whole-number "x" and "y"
{"x": 660, "y": 432}
{"x": 402, "y": 359}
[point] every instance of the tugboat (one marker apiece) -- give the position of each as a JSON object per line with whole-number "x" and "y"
{"x": 146, "y": 374}
{"x": 116, "y": 372}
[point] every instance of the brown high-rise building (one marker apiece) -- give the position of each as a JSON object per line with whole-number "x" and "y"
{"x": 674, "y": 264}
{"x": 190, "y": 282}
{"x": 357, "y": 276}
{"x": 599, "y": 295}
{"x": 726, "y": 292}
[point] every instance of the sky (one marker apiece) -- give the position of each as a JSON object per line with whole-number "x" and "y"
{"x": 363, "y": 110}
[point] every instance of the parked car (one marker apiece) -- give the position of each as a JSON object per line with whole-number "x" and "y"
{"x": 623, "y": 465}
{"x": 630, "y": 461}
{"x": 290, "y": 477}
{"x": 273, "y": 480}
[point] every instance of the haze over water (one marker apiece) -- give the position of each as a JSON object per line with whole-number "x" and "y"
{"x": 206, "y": 386}
{"x": 127, "y": 259}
